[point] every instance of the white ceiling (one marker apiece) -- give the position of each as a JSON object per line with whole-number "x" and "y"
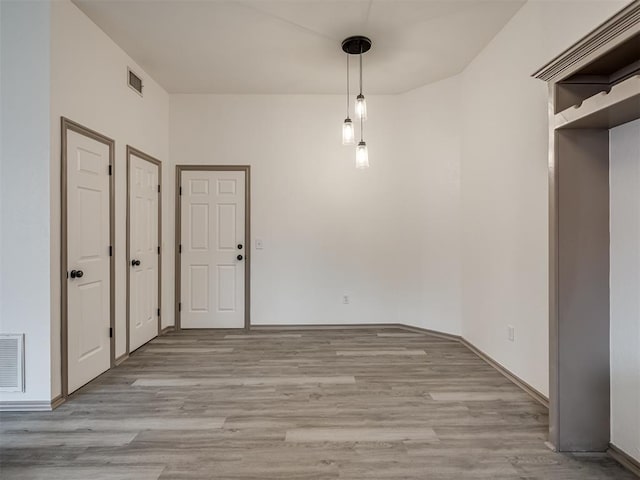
{"x": 276, "y": 46}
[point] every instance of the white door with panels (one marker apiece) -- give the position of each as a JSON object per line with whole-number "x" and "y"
{"x": 212, "y": 249}
{"x": 144, "y": 251}
{"x": 88, "y": 259}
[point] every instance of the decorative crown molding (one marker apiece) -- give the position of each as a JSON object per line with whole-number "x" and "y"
{"x": 618, "y": 28}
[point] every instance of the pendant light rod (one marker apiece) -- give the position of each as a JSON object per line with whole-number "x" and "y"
{"x": 347, "y": 86}
{"x": 361, "y": 72}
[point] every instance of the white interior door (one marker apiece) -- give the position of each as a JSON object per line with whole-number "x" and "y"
{"x": 212, "y": 249}
{"x": 88, "y": 260}
{"x": 144, "y": 305}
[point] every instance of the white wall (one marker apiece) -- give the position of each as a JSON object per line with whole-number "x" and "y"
{"x": 381, "y": 236}
{"x": 24, "y": 188}
{"x": 625, "y": 287}
{"x": 88, "y": 86}
{"x": 504, "y": 184}
{"x": 428, "y": 174}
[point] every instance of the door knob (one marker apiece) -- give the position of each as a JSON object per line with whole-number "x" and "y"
{"x": 135, "y": 263}
{"x": 76, "y": 274}
{"x": 239, "y": 246}
{"x": 239, "y": 257}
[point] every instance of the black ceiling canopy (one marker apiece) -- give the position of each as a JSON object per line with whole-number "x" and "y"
{"x": 356, "y": 45}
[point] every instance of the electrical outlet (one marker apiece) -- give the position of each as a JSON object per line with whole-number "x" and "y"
{"x": 511, "y": 332}
{"x": 345, "y": 299}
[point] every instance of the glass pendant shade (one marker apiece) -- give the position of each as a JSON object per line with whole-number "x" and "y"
{"x": 348, "y": 132}
{"x": 362, "y": 155}
{"x": 361, "y": 107}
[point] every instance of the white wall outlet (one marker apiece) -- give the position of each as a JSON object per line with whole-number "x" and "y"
{"x": 511, "y": 332}
{"x": 345, "y": 299}
{"x": 259, "y": 244}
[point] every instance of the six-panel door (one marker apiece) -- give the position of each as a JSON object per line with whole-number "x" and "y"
{"x": 88, "y": 260}
{"x": 143, "y": 251}
{"x": 213, "y": 249}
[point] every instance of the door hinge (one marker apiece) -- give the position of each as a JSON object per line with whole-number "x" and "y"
{"x": 110, "y": 170}
{"x": 110, "y": 251}
{"x": 158, "y": 188}
{"x": 180, "y": 248}
{"x": 110, "y": 332}
{"x": 158, "y": 250}
{"x": 180, "y": 191}
{"x": 179, "y": 306}
{"x": 158, "y": 312}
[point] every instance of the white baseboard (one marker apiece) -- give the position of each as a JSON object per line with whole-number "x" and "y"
{"x": 26, "y": 406}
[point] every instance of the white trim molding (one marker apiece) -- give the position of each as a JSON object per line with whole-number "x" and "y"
{"x": 26, "y": 406}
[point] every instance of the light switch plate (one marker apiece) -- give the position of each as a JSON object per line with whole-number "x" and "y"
{"x": 259, "y": 244}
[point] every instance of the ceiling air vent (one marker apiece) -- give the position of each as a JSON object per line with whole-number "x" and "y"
{"x": 12, "y": 362}
{"x": 134, "y": 81}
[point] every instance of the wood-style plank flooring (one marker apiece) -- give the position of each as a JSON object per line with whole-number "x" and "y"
{"x": 314, "y": 405}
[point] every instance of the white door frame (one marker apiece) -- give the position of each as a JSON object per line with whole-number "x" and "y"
{"x": 140, "y": 154}
{"x": 66, "y": 126}
{"x": 247, "y": 220}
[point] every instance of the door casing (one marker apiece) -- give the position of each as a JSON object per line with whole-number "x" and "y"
{"x": 140, "y": 154}
{"x": 67, "y": 125}
{"x": 247, "y": 220}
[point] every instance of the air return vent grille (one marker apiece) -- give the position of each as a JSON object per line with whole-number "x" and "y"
{"x": 134, "y": 81}
{"x": 11, "y": 363}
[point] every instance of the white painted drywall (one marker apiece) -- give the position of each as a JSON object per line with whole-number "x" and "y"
{"x": 504, "y": 184}
{"x": 382, "y": 236}
{"x": 625, "y": 287}
{"x": 428, "y": 170}
{"x": 89, "y": 86}
{"x": 24, "y": 188}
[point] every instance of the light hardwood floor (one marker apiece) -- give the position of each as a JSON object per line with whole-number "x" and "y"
{"x": 329, "y": 404}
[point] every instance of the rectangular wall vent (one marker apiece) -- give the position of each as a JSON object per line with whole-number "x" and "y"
{"x": 134, "y": 81}
{"x": 11, "y": 362}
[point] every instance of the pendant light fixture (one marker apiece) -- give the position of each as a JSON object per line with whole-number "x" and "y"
{"x": 348, "y": 130}
{"x": 361, "y": 102}
{"x": 362, "y": 153}
{"x": 357, "y": 45}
